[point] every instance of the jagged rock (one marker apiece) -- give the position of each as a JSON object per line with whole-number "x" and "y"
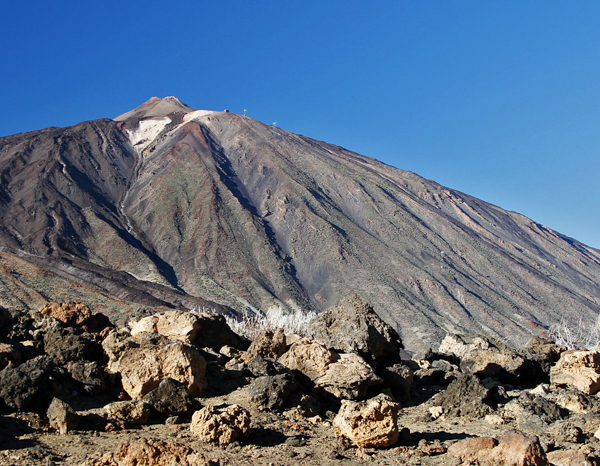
{"x": 178, "y": 325}
{"x": 371, "y": 423}
{"x": 27, "y": 387}
{"x": 577, "y": 369}
{"x": 150, "y": 451}
{"x": 64, "y": 344}
{"x": 170, "y": 398}
{"x": 577, "y": 402}
{"x": 74, "y": 314}
{"x": 399, "y": 378}
{"x": 568, "y": 458}
{"x": 514, "y": 449}
{"x": 9, "y": 354}
{"x": 268, "y": 344}
{"x": 534, "y": 413}
{"x": 461, "y": 345}
{"x": 221, "y": 425}
{"x": 348, "y": 377}
{"x": 466, "y": 397}
{"x": 90, "y": 374}
{"x": 260, "y": 367}
{"x": 61, "y": 416}
{"x": 271, "y": 392}
{"x": 6, "y": 322}
{"x": 143, "y": 368}
{"x": 309, "y": 357}
{"x": 468, "y": 449}
{"x": 354, "y": 327}
{"x": 504, "y": 365}
{"x": 544, "y": 352}
{"x": 127, "y": 413}
{"x": 565, "y": 431}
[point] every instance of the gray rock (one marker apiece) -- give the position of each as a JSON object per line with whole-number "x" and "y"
{"x": 90, "y": 374}
{"x": 171, "y": 398}
{"x": 354, "y": 327}
{"x": 65, "y": 344}
{"x": 6, "y": 323}
{"x": 399, "y": 378}
{"x": 465, "y": 397}
{"x": 260, "y": 367}
{"x": 61, "y": 416}
{"x": 28, "y": 386}
{"x": 271, "y": 392}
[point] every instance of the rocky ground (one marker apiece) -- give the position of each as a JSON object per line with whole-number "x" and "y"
{"x": 179, "y": 388}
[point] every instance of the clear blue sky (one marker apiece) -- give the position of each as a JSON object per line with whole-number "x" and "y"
{"x": 498, "y": 99}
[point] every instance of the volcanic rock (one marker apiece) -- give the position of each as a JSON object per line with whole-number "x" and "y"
{"x": 170, "y": 398}
{"x": 6, "y": 323}
{"x": 348, "y": 377}
{"x": 309, "y": 357}
{"x": 271, "y": 392}
{"x": 466, "y": 397}
{"x": 61, "y": 416}
{"x": 354, "y": 327}
{"x": 127, "y": 413}
{"x": 468, "y": 449}
{"x": 221, "y": 425}
{"x": 371, "y": 423}
{"x": 28, "y": 386}
{"x": 577, "y": 369}
{"x": 514, "y": 449}
{"x": 268, "y": 344}
{"x": 399, "y": 378}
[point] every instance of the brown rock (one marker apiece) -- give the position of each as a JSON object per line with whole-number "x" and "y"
{"x": 9, "y": 354}
{"x": 127, "y": 413}
{"x": 514, "y": 449}
{"x": 568, "y": 458}
{"x": 73, "y": 314}
{"x": 371, "y": 423}
{"x": 150, "y": 451}
{"x": 177, "y": 325}
{"x": 577, "y": 369}
{"x": 468, "y": 449}
{"x": 465, "y": 397}
{"x": 503, "y": 364}
{"x": 348, "y": 377}
{"x": 221, "y": 425}
{"x": 268, "y": 344}
{"x": 143, "y": 368}
{"x": 308, "y": 357}
{"x": 61, "y": 416}
{"x": 461, "y": 345}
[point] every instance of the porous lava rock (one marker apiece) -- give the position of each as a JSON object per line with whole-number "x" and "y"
{"x": 577, "y": 369}
{"x": 348, "y": 377}
{"x": 399, "y": 378}
{"x": 75, "y": 314}
{"x": 150, "y": 451}
{"x": 271, "y": 392}
{"x": 260, "y": 367}
{"x": 221, "y": 425}
{"x": 514, "y": 449}
{"x": 127, "y": 413}
{"x": 27, "y": 387}
{"x": 270, "y": 343}
{"x": 545, "y": 353}
{"x": 178, "y": 325}
{"x": 142, "y": 368}
{"x": 354, "y": 327}
{"x": 465, "y": 397}
{"x": 468, "y": 449}
{"x": 65, "y": 344}
{"x": 308, "y": 357}
{"x": 6, "y": 322}
{"x": 170, "y": 398}
{"x": 370, "y": 423}
{"x": 90, "y": 374}
{"x": 504, "y": 365}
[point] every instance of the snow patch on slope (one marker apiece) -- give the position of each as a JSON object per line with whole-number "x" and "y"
{"x": 147, "y": 132}
{"x": 197, "y": 114}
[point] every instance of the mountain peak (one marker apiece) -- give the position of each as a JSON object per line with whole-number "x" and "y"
{"x": 156, "y": 107}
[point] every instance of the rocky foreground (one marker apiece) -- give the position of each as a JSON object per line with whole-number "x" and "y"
{"x": 180, "y": 388}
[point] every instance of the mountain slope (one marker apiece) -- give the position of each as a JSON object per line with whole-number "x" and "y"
{"x": 197, "y": 208}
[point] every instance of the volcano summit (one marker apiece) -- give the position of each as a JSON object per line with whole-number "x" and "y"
{"x": 168, "y": 206}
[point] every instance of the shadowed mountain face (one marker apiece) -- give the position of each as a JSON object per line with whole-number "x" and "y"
{"x": 170, "y": 206}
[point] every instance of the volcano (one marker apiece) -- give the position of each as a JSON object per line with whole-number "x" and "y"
{"x": 166, "y": 206}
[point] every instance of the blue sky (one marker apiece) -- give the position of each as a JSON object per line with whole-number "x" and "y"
{"x": 498, "y": 99}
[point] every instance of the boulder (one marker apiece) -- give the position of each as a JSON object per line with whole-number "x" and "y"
{"x": 565, "y": 431}
{"x": 271, "y": 392}
{"x": 577, "y": 369}
{"x": 90, "y": 374}
{"x": 170, "y": 398}
{"x": 371, "y": 423}
{"x": 142, "y": 368}
{"x": 61, "y": 416}
{"x": 128, "y": 413}
{"x": 400, "y": 379}
{"x": 9, "y": 354}
{"x": 221, "y": 425}
{"x": 204, "y": 330}
{"x": 354, "y": 327}
{"x": 461, "y": 345}
{"x": 504, "y": 365}
{"x": 74, "y": 314}
{"x": 27, "y": 387}
{"x": 260, "y": 367}
{"x": 568, "y": 458}
{"x": 514, "y": 449}
{"x": 468, "y": 449}
{"x": 348, "y": 377}
{"x": 6, "y": 322}
{"x": 64, "y": 344}
{"x": 465, "y": 397}
{"x": 534, "y": 413}
{"x": 268, "y": 344}
{"x": 545, "y": 353}
{"x": 150, "y": 451}
{"x": 309, "y": 357}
